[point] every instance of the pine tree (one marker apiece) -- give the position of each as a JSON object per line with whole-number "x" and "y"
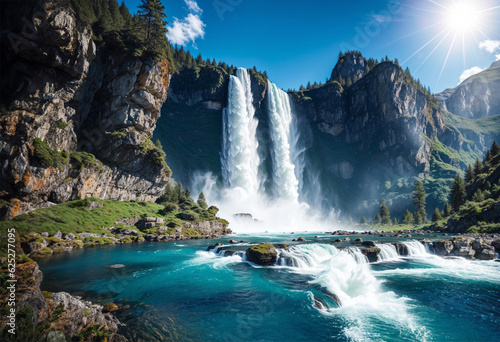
{"x": 378, "y": 219}
{"x": 447, "y": 210}
{"x": 419, "y": 199}
{"x": 309, "y": 86}
{"x": 495, "y": 149}
{"x": 202, "y": 202}
{"x": 407, "y": 217}
{"x": 181, "y": 197}
{"x": 478, "y": 196}
{"x": 469, "y": 174}
{"x": 457, "y": 193}
{"x": 384, "y": 212}
{"x": 363, "y": 220}
{"x": 395, "y": 222}
{"x": 488, "y": 157}
{"x": 151, "y": 12}
{"x": 187, "y": 193}
{"x": 478, "y": 167}
{"x": 437, "y": 215}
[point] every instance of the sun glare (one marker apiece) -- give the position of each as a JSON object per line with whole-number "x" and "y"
{"x": 462, "y": 16}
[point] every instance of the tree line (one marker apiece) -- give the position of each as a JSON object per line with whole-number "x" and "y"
{"x": 457, "y": 198}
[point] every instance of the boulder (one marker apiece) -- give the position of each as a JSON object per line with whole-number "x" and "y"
{"x": 368, "y": 244}
{"x": 358, "y": 240}
{"x": 476, "y": 244}
{"x": 109, "y": 307}
{"x": 69, "y": 236}
{"x": 214, "y": 246}
{"x": 371, "y": 253}
{"x": 264, "y": 254}
{"x": 233, "y": 241}
{"x": 443, "y": 247}
{"x": 401, "y": 248}
{"x": 338, "y": 240}
{"x": 496, "y": 245}
{"x": 281, "y": 246}
{"x": 301, "y": 239}
{"x": 57, "y": 235}
{"x": 347, "y": 239}
{"x": 45, "y": 234}
{"x": 485, "y": 253}
{"x": 466, "y": 252}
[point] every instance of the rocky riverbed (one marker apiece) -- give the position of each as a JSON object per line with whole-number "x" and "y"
{"x": 469, "y": 246}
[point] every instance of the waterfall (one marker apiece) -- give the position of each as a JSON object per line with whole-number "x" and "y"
{"x": 239, "y": 158}
{"x": 387, "y": 252}
{"x": 415, "y": 248}
{"x": 286, "y": 184}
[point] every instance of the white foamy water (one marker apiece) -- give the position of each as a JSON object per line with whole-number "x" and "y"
{"x": 240, "y": 159}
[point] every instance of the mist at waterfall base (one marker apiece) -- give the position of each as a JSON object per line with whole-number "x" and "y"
{"x": 179, "y": 291}
{"x": 277, "y": 198}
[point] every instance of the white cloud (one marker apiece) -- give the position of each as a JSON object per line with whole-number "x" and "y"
{"x": 193, "y": 6}
{"x": 469, "y": 72}
{"x": 490, "y": 45}
{"x": 498, "y": 57}
{"x": 188, "y": 29}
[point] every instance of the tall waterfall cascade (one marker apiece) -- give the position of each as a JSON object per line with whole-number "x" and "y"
{"x": 240, "y": 151}
{"x": 285, "y": 180}
{"x": 240, "y": 158}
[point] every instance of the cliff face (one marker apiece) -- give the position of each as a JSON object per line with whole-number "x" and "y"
{"x": 381, "y": 115}
{"x": 476, "y": 97}
{"x": 62, "y": 97}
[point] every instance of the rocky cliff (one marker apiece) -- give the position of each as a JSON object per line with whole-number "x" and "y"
{"x": 75, "y": 119}
{"x": 44, "y": 316}
{"x": 476, "y": 97}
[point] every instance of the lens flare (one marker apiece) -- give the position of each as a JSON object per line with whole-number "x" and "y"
{"x": 462, "y": 17}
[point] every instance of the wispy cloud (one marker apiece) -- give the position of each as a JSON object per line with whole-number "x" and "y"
{"x": 470, "y": 72}
{"x": 498, "y": 57}
{"x": 186, "y": 30}
{"x": 490, "y": 45}
{"x": 193, "y": 6}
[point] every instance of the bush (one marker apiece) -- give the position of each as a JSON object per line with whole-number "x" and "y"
{"x": 171, "y": 207}
{"x": 189, "y": 215}
{"x": 79, "y": 160}
{"x": 46, "y": 156}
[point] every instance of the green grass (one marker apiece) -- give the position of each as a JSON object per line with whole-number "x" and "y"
{"x": 488, "y": 125}
{"x": 73, "y": 217}
{"x": 47, "y": 156}
{"x": 79, "y": 160}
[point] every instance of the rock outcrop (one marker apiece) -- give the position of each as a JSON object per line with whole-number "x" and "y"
{"x": 476, "y": 97}
{"x": 264, "y": 254}
{"x": 60, "y": 315}
{"x": 62, "y": 99}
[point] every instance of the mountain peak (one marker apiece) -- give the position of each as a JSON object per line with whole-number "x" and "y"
{"x": 495, "y": 64}
{"x": 350, "y": 65}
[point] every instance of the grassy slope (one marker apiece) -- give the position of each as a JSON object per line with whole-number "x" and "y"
{"x": 74, "y": 217}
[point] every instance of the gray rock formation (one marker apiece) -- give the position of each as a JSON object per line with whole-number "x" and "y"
{"x": 476, "y": 97}
{"x": 58, "y": 87}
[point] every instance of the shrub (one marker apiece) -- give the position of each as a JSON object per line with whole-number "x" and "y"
{"x": 171, "y": 207}
{"x": 189, "y": 215}
{"x": 46, "y": 156}
{"x": 81, "y": 159}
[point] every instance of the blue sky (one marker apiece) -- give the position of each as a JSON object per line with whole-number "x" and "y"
{"x": 298, "y": 41}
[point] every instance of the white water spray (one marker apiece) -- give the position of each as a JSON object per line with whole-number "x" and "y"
{"x": 240, "y": 160}
{"x": 285, "y": 180}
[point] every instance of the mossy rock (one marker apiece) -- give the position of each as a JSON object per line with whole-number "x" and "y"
{"x": 110, "y": 307}
{"x": 264, "y": 254}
